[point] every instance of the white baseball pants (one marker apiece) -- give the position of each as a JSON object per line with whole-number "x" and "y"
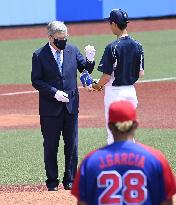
{"x": 116, "y": 93}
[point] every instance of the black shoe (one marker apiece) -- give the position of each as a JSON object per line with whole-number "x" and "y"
{"x": 68, "y": 186}
{"x": 53, "y": 189}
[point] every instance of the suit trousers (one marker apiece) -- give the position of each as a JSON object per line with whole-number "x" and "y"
{"x": 51, "y": 128}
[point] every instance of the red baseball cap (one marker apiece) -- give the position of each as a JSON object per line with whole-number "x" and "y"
{"x": 121, "y": 111}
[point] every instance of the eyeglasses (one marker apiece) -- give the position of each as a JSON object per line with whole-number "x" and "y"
{"x": 61, "y": 38}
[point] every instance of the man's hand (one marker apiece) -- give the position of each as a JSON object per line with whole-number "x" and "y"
{"x": 96, "y": 87}
{"x": 101, "y": 82}
{"x": 61, "y": 96}
{"x": 89, "y": 88}
{"x": 95, "y": 81}
{"x": 90, "y": 53}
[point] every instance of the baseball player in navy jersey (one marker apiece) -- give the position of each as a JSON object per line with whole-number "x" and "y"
{"x": 125, "y": 172}
{"x": 122, "y": 64}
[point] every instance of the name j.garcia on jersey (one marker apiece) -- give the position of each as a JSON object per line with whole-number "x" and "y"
{"x": 130, "y": 159}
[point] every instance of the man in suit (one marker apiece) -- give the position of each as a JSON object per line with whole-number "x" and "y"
{"x": 54, "y": 75}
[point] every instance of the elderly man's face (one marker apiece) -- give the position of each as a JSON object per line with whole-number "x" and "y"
{"x": 59, "y": 36}
{"x": 58, "y": 40}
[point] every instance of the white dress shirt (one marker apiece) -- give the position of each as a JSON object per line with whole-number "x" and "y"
{"x": 53, "y": 50}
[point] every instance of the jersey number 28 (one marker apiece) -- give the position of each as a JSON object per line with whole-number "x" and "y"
{"x": 132, "y": 186}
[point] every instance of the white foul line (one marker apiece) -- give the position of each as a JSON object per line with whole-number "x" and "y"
{"x": 80, "y": 87}
{"x": 156, "y": 80}
{"x": 19, "y": 93}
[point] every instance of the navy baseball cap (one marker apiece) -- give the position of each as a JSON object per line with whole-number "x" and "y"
{"x": 118, "y": 16}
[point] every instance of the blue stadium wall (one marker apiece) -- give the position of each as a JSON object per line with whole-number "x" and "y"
{"x": 83, "y": 10}
{"x": 22, "y": 12}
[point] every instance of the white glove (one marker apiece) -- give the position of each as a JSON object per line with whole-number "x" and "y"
{"x": 61, "y": 96}
{"x": 90, "y": 52}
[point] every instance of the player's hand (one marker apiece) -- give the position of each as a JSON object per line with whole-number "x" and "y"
{"x": 89, "y": 88}
{"x": 97, "y": 87}
{"x": 90, "y": 52}
{"x": 96, "y": 81}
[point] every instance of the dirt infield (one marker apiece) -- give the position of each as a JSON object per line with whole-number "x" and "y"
{"x": 19, "y": 108}
{"x": 86, "y": 29}
{"x": 37, "y": 198}
{"x": 37, "y": 195}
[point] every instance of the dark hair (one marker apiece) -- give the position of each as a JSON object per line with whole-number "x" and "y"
{"x": 122, "y": 26}
{"x": 119, "y": 17}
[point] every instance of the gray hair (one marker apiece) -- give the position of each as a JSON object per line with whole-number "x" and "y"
{"x": 56, "y": 26}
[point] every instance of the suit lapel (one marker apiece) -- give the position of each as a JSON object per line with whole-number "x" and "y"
{"x": 66, "y": 56}
{"x": 51, "y": 60}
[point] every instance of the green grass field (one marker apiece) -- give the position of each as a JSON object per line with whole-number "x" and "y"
{"x": 21, "y": 151}
{"x": 159, "y": 48}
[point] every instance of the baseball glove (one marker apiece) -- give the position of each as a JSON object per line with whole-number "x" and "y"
{"x": 86, "y": 79}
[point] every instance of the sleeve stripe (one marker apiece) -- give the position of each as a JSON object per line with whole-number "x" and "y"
{"x": 141, "y": 66}
{"x": 168, "y": 175}
{"x": 76, "y": 191}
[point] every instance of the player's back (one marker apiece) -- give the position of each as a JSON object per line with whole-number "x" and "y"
{"x": 128, "y": 53}
{"x": 126, "y": 173}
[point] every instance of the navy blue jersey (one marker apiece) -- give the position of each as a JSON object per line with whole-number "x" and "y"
{"x": 123, "y": 59}
{"x": 124, "y": 173}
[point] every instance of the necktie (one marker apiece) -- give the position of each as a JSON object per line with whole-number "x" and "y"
{"x": 58, "y": 60}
